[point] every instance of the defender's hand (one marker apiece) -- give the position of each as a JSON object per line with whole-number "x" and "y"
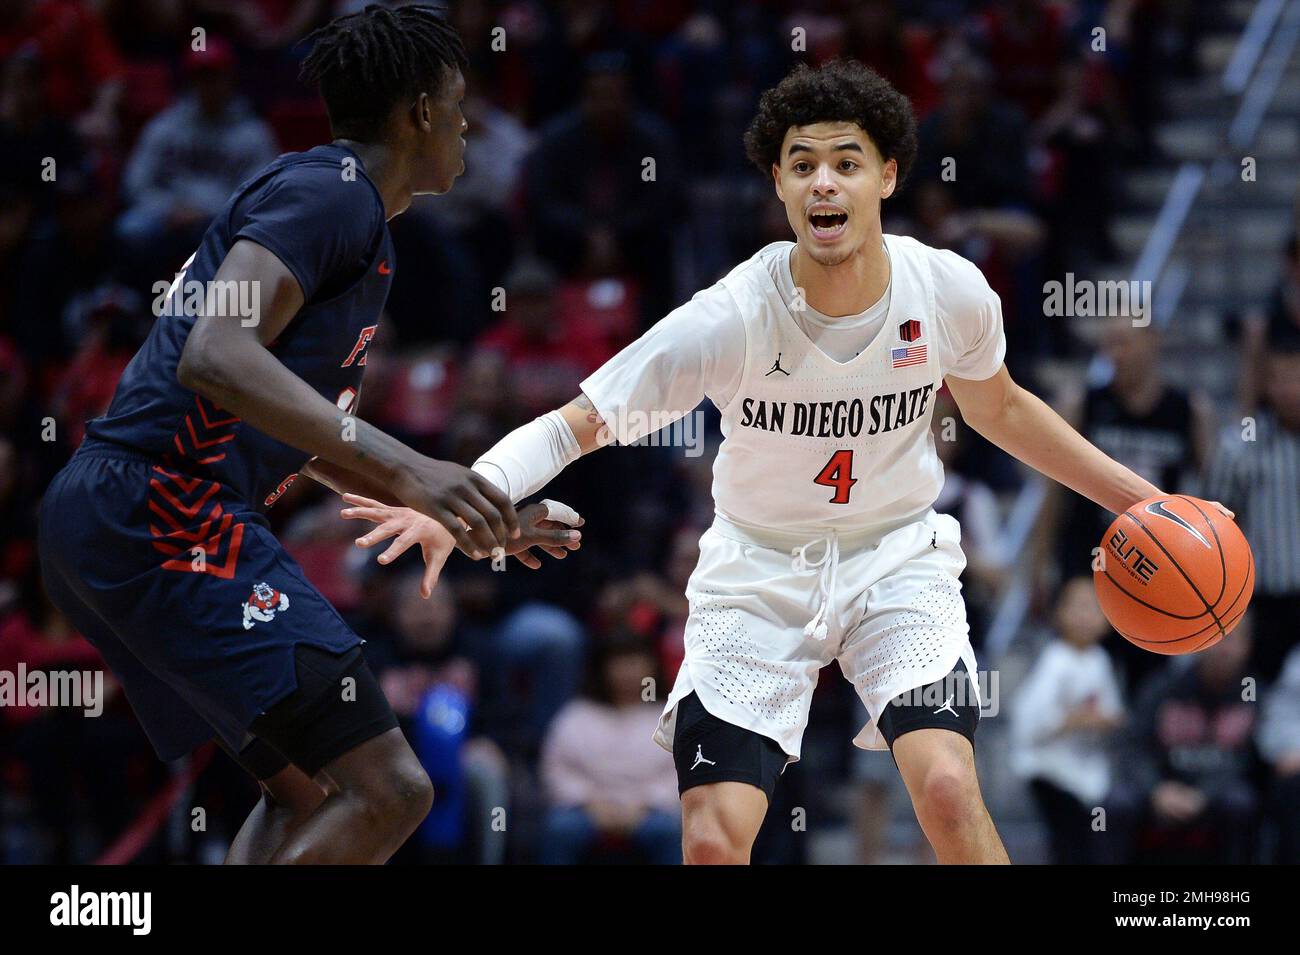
{"x": 476, "y": 512}
{"x": 409, "y": 527}
{"x": 541, "y": 528}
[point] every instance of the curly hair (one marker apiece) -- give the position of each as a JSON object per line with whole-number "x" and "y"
{"x": 841, "y": 91}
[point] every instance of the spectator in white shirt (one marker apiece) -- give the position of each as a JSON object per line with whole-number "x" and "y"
{"x": 1063, "y": 715}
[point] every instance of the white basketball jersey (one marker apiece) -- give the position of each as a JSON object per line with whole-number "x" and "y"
{"x": 812, "y": 443}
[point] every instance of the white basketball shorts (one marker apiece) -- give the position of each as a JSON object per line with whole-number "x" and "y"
{"x": 766, "y": 617}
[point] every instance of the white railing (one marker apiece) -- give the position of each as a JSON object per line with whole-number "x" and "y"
{"x": 1014, "y": 602}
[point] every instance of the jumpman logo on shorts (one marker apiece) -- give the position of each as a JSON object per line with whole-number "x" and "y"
{"x": 699, "y": 758}
{"x": 776, "y": 366}
{"x": 947, "y": 705}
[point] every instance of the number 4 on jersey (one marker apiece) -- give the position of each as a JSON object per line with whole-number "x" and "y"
{"x": 838, "y": 474}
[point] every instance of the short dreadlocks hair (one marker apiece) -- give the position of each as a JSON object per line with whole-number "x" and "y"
{"x": 842, "y": 91}
{"x": 367, "y": 62}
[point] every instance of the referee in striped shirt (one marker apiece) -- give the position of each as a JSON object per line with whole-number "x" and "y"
{"x": 1257, "y": 468}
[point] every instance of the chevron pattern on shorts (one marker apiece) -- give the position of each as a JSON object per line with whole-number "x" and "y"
{"x": 184, "y": 518}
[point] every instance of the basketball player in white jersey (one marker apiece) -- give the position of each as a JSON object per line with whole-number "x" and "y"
{"x": 823, "y": 356}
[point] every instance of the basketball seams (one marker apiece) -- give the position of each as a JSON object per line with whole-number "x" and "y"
{"x": 1164, "y": 550}
{"x": 1223, "y": 561}
{"x": 1138, "y": 600}
{"x": 1229, "y": 624}
{"x": 1246, "y": 589}
{"x": 1225, "y": 628}
{"x": 1157, "y": 610}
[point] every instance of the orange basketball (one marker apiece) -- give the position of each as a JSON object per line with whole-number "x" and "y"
{"x": 1173, "y": 574}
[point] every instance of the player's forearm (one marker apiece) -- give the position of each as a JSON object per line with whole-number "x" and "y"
{"x": 245, "y": 379}
{"x": 342, "y": 481}
{"x": 588, "y": 427}
{"x": 530, "y": 457}
{"x": 1028, "y": 429}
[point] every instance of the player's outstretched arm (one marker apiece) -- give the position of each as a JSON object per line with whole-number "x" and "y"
{"x": 548, "y": 525}
{"x": 1025, "y": 427}
{"x": 521, "y": 463}
{"x": 342, "y": 481}
{"x": 529, "y": 458}
{"x": 696, "y": 350}
{"x": 227, "y": 361}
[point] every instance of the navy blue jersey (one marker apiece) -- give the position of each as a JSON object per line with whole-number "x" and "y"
{"x": 324, "y": 219}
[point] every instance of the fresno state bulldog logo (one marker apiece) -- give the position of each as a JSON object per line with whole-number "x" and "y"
{"x": 263, "y": 605}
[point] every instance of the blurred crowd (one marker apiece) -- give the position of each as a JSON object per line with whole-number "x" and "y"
{"x": 530, "y": 697}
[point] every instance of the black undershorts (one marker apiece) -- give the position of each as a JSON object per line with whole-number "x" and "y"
{"x": 322, "y": 719}
{"x": 708, "y": 749}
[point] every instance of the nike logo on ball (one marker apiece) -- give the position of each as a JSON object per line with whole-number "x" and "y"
{"x": 1158, "y": 509}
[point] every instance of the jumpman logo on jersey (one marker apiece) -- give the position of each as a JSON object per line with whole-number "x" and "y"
{"x": 947, "y": 705}
{"x": 934, "y": 538}
{"x": 699, "y": 758}
{"x": 776, "y": 366}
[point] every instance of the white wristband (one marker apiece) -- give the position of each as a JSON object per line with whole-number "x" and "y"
{"x": 528, "y": 458}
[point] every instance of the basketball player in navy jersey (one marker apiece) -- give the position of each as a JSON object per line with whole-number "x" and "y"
{"x": 153, "y": 538}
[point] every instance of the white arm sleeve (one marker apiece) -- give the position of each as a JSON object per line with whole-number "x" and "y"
{"x": 529, "y": 457}
{"x": 698, "y": 349}
{"x": 971, "y": 314}
{"x": 695, "y": 350}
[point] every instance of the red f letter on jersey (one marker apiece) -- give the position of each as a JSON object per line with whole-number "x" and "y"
{"x": 359, "y": 349}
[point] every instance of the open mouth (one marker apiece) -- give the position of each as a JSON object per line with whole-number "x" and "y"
{"x": 827, "y": 224}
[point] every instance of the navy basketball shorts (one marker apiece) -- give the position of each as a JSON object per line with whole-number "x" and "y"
{"x": 192, "y": 602}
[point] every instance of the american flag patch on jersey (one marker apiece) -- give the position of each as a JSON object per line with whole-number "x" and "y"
{"x": 903, "y": 357}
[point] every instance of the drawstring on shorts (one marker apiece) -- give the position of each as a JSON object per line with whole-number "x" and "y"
{"x": 828, "y": 564}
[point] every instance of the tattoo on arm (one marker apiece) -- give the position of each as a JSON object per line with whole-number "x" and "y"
{"x": 593, "y": 416}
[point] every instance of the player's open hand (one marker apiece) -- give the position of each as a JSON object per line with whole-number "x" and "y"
{"x": 1226, "y": 513}
{"x": 549, "y": 525}
{"x": 409, "y": 527}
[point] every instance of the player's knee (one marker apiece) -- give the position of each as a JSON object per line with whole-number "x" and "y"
{"x": 397, "y": 795}
{"x": 711, "y": 849}
{"x": 705, "y": 842}
{"x": 949, "y": 797}
{"x": 410, "y": 791}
